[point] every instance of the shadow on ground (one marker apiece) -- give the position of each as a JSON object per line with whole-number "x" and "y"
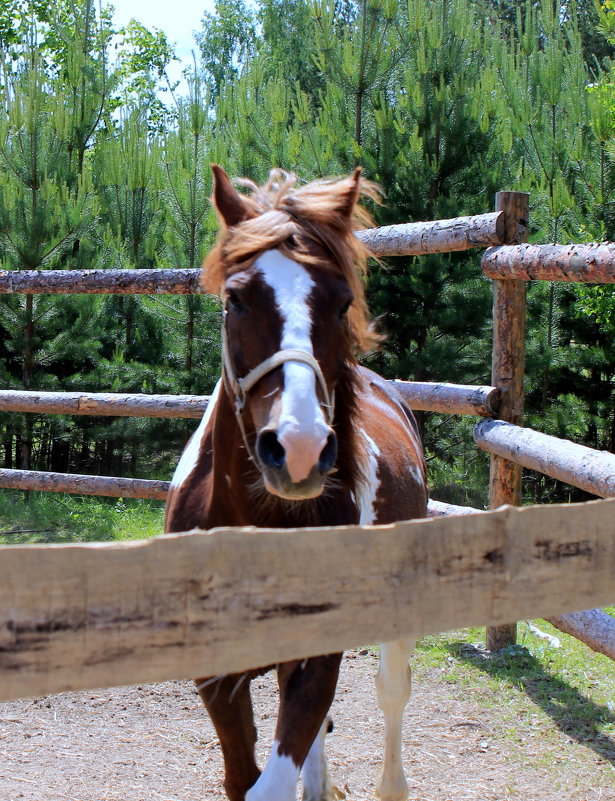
{"x": 574, "y": 714}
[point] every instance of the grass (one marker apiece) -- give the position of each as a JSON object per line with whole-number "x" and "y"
{"x": 39, "y": 517}
{"x": 534, "y": 687}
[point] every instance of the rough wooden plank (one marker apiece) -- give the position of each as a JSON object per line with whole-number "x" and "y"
{"x": 586, "y": 468}
{"x": 103, "y": 403}
{"x": 590, "y": 263}
{"x": 78, "y": 616}
{"x": 507, "y": 372}
{"x": 449, "y": 398}
{"x": 439, "y": 236}
{"x": 77, "y": 484}
{"x": 101, "y": 282}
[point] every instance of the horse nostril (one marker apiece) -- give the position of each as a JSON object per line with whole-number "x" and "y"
{"x": 270, "y": 451}
{"x": 328, "y": 454}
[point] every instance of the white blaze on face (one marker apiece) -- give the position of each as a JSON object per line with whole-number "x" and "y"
{"x": 302, "y": 429}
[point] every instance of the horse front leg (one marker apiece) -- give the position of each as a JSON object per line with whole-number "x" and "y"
{"x": 307, "y": 688}
{"x": 393, "y": 691}
{"x": 229, "y": 704}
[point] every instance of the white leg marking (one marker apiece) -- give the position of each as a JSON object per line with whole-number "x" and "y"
{"x": 190, "y": 456}
{"x": 302, "y": 428}
{"x": 393, "y": 679}
{"x": 315, "y": 778}
{"x": 278, "y": 781}
{"x": 393, "y": 690}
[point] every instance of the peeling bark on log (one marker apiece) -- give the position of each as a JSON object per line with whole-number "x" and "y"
{"x": 586, "y": 468}
{"x": 593, "y": 627}
{"x": 102, "y": 282}
{"x": 449, "y": 398}
{"x": 445, "y": 398}
{"x": 590, "y": 263}
{"x": 104, "y": 404}
{"x": 77, "y": 484}
{"x": 439, "y": 236}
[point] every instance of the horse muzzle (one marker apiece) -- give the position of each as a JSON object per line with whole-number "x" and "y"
{"x": 297, "y": 472}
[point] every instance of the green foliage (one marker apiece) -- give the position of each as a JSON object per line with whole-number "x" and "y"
{"x": 227, "y": 40}
{"x": 144, "y": 57}
{"x": 441, "y": 102}
{"x": 47, "y": 517}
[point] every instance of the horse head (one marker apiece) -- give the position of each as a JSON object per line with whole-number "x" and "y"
{"x": 287, "y": 267}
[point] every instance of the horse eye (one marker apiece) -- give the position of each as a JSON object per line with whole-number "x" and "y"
{"x": 234, "y": 301}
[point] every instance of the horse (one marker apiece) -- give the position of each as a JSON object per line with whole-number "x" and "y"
{"x": 297, "y": 433}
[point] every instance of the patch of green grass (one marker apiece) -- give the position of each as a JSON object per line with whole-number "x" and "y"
{"x": 533, "y": 685}
{"x": 39, "y": 517}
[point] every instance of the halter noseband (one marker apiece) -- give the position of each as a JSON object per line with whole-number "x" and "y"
{"x": 239, "y": 388}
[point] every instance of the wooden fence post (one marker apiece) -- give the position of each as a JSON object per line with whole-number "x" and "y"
{"x": 508, "y": 366}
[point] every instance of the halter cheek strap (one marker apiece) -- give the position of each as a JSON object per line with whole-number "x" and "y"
{"x": 240, "y": 387}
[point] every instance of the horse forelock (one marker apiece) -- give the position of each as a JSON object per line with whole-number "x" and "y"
{"x": 302, "y": 222}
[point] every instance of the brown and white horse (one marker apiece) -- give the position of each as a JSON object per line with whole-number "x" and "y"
{"x": 297, "y": 434}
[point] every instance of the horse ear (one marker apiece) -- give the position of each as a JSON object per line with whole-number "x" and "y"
{"x": 352, "y": 193}
{"x": 231, "y": 206}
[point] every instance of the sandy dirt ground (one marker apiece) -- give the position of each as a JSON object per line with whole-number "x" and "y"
{"x": 155, "y": 743}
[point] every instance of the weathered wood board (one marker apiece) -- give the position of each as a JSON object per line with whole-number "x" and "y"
{"x": 92, "y": 615}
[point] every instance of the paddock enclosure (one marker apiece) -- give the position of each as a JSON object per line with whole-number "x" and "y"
{"x": 85, "y": 616}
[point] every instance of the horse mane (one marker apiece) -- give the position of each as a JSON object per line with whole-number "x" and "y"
{"x": 292, "y": 219}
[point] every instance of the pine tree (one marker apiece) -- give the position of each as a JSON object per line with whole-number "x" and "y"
{"x": 47, "y": 205}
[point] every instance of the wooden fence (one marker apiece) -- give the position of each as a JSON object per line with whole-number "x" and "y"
{"x": 89, "y": 615}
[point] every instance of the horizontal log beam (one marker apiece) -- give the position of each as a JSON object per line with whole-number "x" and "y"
{"x": 104, "y": 404}
{"x": 82, "y": 616}
{"x": 586, "y": 468}
{"x": 449, "y": 398}
{"x": 100, "y": 282}
{"x": 439, "y": 236}
{"x": 441, "y": 509}
{"x": 593, "y": 627}
{"x": 76, "y": 484}
{"x": 446, "y": 398}
{"x": 590, "y": 263}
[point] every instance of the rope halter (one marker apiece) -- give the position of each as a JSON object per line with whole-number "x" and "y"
{"x": 238, "y": 388}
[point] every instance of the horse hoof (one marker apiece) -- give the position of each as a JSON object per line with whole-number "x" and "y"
{"x": 330, "y": 794}
{"x": 396, "y": 790}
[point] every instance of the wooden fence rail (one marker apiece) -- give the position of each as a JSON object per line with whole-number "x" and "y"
{"x": 440, "y": 236}
{"x": 586, "y": 468}
{"x": 84, "y": 616}
{"x": 424, "y": 395}
{"x": 77, "y": 484}
{"x": 590, "y": 263}
{"x": 101, "y": 282}
{"x": 594, "y": 627}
